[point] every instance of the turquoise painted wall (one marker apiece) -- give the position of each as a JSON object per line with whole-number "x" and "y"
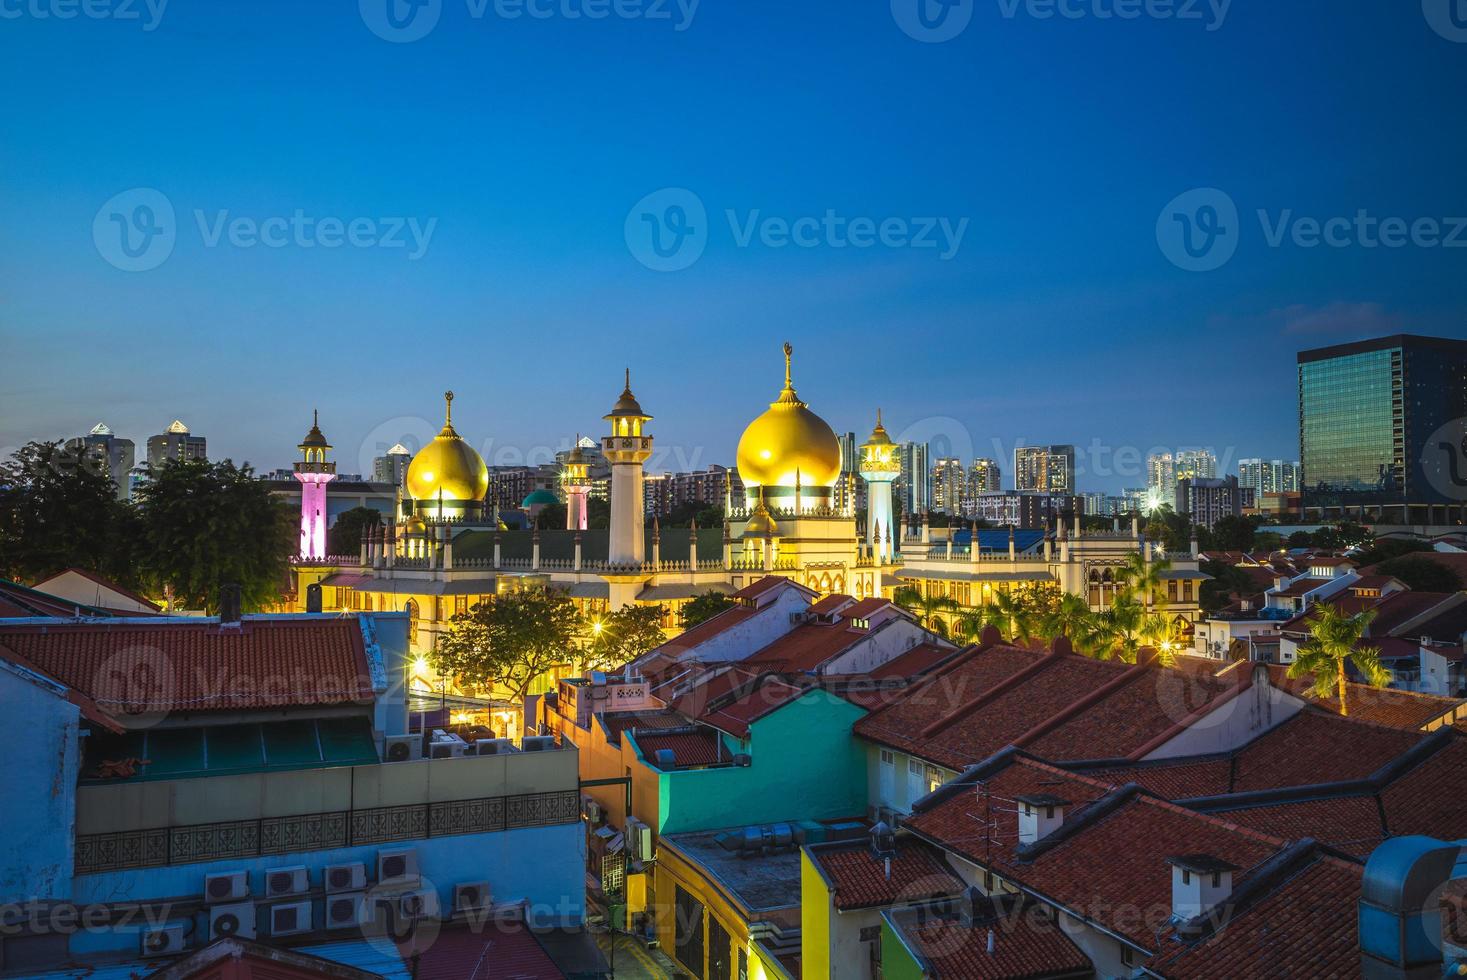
{"x": 806, "y": 766}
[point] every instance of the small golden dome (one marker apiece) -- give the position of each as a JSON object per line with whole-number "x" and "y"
{"x": 761, "y": 523}
{"x": 448, "y": 464}
{"x": 414, "y": 526}
{"x": 789, "y": 444}
{"x": 878, "y": 434}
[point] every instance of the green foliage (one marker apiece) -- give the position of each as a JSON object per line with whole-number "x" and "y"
{"x": 928, "y": 609}
{"x": 510, "y": 640}
{"x": 1386, "y": 549}
{"x": 203, "y": 525}
{"x": 345, "y": 536}
{"x": 1334, "y": 640}
{"x": 1301, "y": 539}
{"x": 1227, "y": 582}
{"x": 1234, "y": 533}
{"x": 1344, "y": 535}
{"x": 598, "y": 514}
{"x": 57, "y": 511}
{"x": 624, "y": 636}
{"x": 703, "y": 607}
{"x": 1421, "y": 573}
{"x": 552, "y": 517}
{"x": 684, "y": 514}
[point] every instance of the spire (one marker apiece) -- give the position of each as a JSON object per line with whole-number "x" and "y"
{"x": 789, "y": 351}
{"x": 448, "y": 410}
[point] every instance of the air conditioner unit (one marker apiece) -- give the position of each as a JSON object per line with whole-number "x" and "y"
{"x": 399, "y": 867}
{"x": 420, "y": 903}
{"x": 228, "y": 886}
{"x": 236, "y": 920}
{"x": 537, "y": 743}
{"x": 290, "y": 919}
{"x": 471, "y": 896}
{"x": 445, "y": 750}
{"x": 494, "y": 746}
{"x": 591, "y": 809}
{"x": 639, "y": 840}
{"x": 280, "y": 882}
{"x": 344, "y": 910}
{"x": 402, "y": 748}
{"x": 345, "y": 877}
{"x": 162, "y": 942}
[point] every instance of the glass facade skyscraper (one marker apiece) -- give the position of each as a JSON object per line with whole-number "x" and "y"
{"x": 1371, "y": 422}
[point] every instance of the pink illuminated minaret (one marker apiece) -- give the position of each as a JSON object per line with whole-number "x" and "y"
{"x": 314, "y": 473}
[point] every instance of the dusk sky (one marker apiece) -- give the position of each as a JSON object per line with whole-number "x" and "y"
{"x": 520, "y": 148}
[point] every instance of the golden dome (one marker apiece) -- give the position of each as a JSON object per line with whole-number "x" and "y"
{"x": 448, "y": 464}
{"x": 761, "y": 522}
{"x": 878, "y": 434}
{"x": 789, "y": 443}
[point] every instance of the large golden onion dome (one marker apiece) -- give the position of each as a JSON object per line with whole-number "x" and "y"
{"x": 448, "y": 465}
{"x": 789, "y": 443}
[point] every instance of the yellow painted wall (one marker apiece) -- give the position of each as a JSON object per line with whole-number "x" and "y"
{"x": 673, "y": 871}
{"x": 815, "y": 913}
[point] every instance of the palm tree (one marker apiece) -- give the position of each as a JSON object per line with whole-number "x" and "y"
{"x": 1334, "y": 639}
{"x": 1070, "y": 617}
{"x": 1146, "y": 577}
{"x": 1015, "y": 612}
{"x": 928, "y": 609}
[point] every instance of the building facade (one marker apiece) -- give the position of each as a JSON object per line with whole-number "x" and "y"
{"x": 1207, "y": 501}
{"x": 1381, "y": 426}
{"x": 175, "y": 442}
{"x": 1268, "y": 476}
{"x": 108, "y": 453}
{"x": 948, "y": 484}
{"x": 1047, "y": 469}
{"x": 914, "y": 487}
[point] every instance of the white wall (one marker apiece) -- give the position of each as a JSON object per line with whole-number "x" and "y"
{"x": 903, "y": 792}
{"x": 38, "y": 807}
{"x": 1233, "y": 723}
{"x": 882, "y": 645}
{"x": 753, "y": 634}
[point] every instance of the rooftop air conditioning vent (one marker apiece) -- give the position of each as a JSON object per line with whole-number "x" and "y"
{"x": 162, "y": 942}
{"x": 287, "y": 881}
{"x": 397, "y": 867}
{"x": 403, "y": 748}
{"x": 345, "y": 877}
{"x": 235, "y": 921}
{"x": 290, "y": 919}
{"x": 471, "y": 896}
{"x": 227, "y": 886}
{"x": 344, "y": 910}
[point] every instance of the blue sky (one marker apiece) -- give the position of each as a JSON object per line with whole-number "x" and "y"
{"x": 524, "y": 144}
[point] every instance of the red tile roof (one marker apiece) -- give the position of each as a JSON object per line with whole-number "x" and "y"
{"x": 1428, "y": 799}
{"x": 1305, "y": 926}
{"x": 1110, "y": 866}
{"x": 1405, "y": 710}
{"x": 807, "y": 646}
{"x": 497, "y": 951}
{"x": 90, "y": 710}
{"x": 831, "y": 603}
{"x": 858, "y": 880}
{"x": 149, "y": 665}
{"x": 1350, "y": 824}
{"x": 959, "y": 682}
{"x": 704, "y": 631}
{"x": 617, "y": 722}
{"x": 700, "y": 748}
{"x": 736, "y": 715}
{"x": 1025, "y": 943}
{"x": 917, "y": 661}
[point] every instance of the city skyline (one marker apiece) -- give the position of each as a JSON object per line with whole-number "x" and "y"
{"x": 1059, "y": 275}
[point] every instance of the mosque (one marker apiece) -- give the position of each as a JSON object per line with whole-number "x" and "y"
{"x": 445, "y": 547}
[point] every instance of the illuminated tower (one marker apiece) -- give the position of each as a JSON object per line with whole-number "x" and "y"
{"x": 627, "y": 449}
{"x": 577, "y": 486}
{"x": 879, "y": 466}
{"x": 314, "y": 473}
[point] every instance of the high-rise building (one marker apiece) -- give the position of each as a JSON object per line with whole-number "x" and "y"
{"x": 1048, "y": 469}
{"x": 107, "y": 453}
{"x": 1164, "y": 470}
{"x": 1268, "y": 476}
{"x": 1381, "y": 426}
{"x": 914, "y": 484}
{"x": 984, "y": 476}
{"x": 175, "y": 442}
{"x": 1196, "y": 464}
{"x": 948, "y": 480}
{"x": 392, "y": 468}
{"x": 1208, "y": 500}
{"x": 1161, "y": 472}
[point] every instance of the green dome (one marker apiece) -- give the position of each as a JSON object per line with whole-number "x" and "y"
{"x": 540, "y": 498}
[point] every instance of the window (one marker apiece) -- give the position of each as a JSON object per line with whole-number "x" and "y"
{"x": 934, "y": 778}
{"x": 914, "y": 781}
{"x": 720, "y": 951}
{"x": 460, "y": 605}
{"x": 687, "y": 931}
{"x": 887, "y": 776}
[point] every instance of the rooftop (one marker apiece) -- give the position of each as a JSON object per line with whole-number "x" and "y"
{"x": 859, "y": 880}
{"x": 953, "y": 943}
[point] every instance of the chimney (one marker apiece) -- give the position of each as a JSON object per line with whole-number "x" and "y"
{"x": 883, "y": 844}
{"x": 229, "y": 604}
{"x": 1039, "y": 816}
{"x": 1200, "y": 883}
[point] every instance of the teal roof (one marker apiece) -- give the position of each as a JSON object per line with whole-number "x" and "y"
{"x": 539, "y": 498}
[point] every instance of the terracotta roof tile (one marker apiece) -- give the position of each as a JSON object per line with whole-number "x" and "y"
{"x": 917, "y": 661}
{"x": 147, "y": 665}
{"x": 1025, "y": 943}
{"x": 1405, "y": 710}
{"x": 859, "y": 879}
{"x": 1350, "y": 823}
{"x": 497, "y": 951}
{"x": 700, "y": 748}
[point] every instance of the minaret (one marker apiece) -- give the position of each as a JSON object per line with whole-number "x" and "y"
{"x": 577, "y": 486}
{"x": 627, "y": 449}
{"x": 879, "y": 466}
{"x": 314, "y": 473}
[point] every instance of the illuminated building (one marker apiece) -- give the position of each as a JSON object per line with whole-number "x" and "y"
{"x": 879, "y": 466}
{"x": 107, "y": 453}
{"x": 575, "y": 483}
{"x": 948, "y": 480}
{"x": 1048, "y": 469}
{"x": 175, "y": 443}
{"x": 314, "y": 472}
{"x": 392, "y": 468}
{"x": 984, "y": 476}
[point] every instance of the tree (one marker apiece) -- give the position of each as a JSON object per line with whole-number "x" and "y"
{"x": 1335, "y": 640}
{"x": 345, "y": 536}
{"x": 1421, "y": 573}
{"x": 204, "y": 525}
{"x": 928, "y": 609}
{"x": 57, "y": 511}
{"x": 510, "y": 640}
{"x": 598, "y": 514}
{"x": 703, "y": 607}
{"x": 1234, "y": 533}
{"x": 551, "y": 517}
{"x": 1071, "y": 618}
{"x": 1144, "y": 577}
{"x": 623, "y": 636}
{"x": 1227, "y": 583}
{"x": 1387, "y": 548}
{"x": 1301, "y": 539}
